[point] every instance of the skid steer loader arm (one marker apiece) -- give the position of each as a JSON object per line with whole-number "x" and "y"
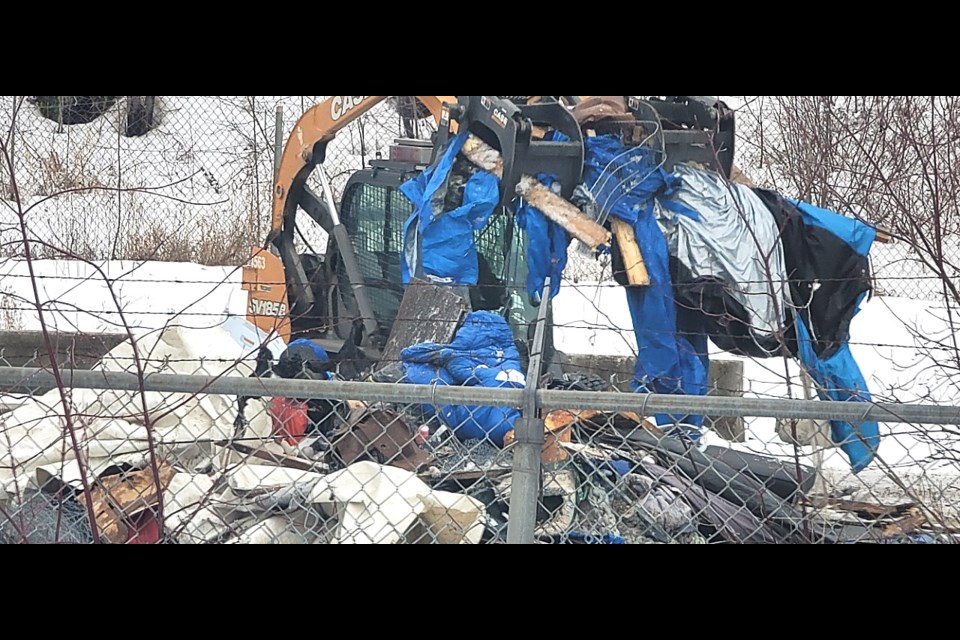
{"x": 279, "y": 286}
{"x": 273, "y": 282}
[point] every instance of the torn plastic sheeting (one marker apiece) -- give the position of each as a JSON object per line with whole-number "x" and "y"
{"x": 858, "y": 235}
{"x": 441, "y": 243}
{"x": 284, "y": 529}
{"x": 483, "y": 354}
{"x": 403, "y": 498}
{"x": 547, "y": 246}
{"x": 183, "y": 497}
{"x": 209, "y": 518}
{"x": 203, "y": 526}
{"x": 839, "y": 378}
{"x": 827, "y": 257}
{"x": 452, "y": 518}
{"x": 37, "y": 432}
{"x": 379, "y": 505}
{"x": 626, "y": 183}
{"x": 255, "y": 479}
{"x": 735, "y": 240}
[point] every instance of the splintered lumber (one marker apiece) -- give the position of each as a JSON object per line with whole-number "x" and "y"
{"x": 279, "y": 459}
{"x": 738, "y": 176}
{"x": 906, "y": 526}
{"x": 118, "y": 498}
{"x": 637, "y": 274}
{"x": 552, "y": 205}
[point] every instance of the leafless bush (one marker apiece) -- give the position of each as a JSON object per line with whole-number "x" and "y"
{"x": 890, "y": 160}
{"x": 21, "y": 240}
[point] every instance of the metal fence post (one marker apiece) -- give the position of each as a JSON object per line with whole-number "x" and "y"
{"x": 13, "y": 154}
{"x": 277, "y": 144}
{"x": 525, "y": 487}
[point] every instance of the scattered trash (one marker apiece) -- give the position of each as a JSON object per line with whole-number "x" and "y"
{"x": 700, "y": 258}
{"x": 381, "y": 436}
{"x": 125, "y": 505}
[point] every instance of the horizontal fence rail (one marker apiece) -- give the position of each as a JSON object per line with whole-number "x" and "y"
{"x": 25, "y": 380}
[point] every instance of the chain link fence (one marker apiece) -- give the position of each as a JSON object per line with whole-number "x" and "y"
{"x": 172, "y": 178}
{"x": 158, "y": 445}
{"x": 173, "y": 438}
{"x": 189, "y": 179}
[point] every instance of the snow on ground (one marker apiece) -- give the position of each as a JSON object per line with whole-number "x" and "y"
{"x": 595, "y": 319}
{"x": 143, "y": 298}
{"x": 107, "y": 297}
{"x": 206, "y": 170}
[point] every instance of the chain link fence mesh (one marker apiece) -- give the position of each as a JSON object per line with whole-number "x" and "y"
{"x": 395, "y": 473}
{"x": 141, "y": 180}
{"x": 189, "y": 179}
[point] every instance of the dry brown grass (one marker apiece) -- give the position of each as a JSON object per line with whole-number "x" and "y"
{"x": 209, "y": 242}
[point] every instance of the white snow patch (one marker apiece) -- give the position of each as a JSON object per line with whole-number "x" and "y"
{"x": 109, "y": 297}
{"x": 897, "y": 364}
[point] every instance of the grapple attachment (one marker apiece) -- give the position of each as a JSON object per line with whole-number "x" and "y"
{"x": 542, "y": 137}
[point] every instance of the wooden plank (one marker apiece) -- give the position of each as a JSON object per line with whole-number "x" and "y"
{"x": 563, "y": 213}
{"x": 118, "y": 498}
{"x": 906, "y": 526}
{"x": 428, "y": 313}
{"x": 869, "y": 511}
{"x": 552, "y": 205}
{"x": 738, "y": 176}
{"x": 288, "y": 462}
{"x": 636, "y": 269}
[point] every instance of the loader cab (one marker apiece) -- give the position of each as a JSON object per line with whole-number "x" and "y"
{"x": 374, "y": 210}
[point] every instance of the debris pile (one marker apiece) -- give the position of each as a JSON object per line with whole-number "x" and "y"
{"x": 701, "y": 259}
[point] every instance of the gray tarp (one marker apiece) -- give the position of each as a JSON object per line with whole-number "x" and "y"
{"x": 736, "y": 241}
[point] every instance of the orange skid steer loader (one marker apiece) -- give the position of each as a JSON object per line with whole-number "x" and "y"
{"x": 350, "y": 293}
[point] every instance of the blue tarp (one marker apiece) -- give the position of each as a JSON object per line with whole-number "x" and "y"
{"x": 625, "y": 183}
{"x": 319, "y": 353}
{"x": 483, "y": 354}
{"x": 839, "y": 377}
{"x": 840, "y": 380}
{"x": 440, "y": 245}
{"x": 855, "y": 233}
{"x": 547, "y": 245}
